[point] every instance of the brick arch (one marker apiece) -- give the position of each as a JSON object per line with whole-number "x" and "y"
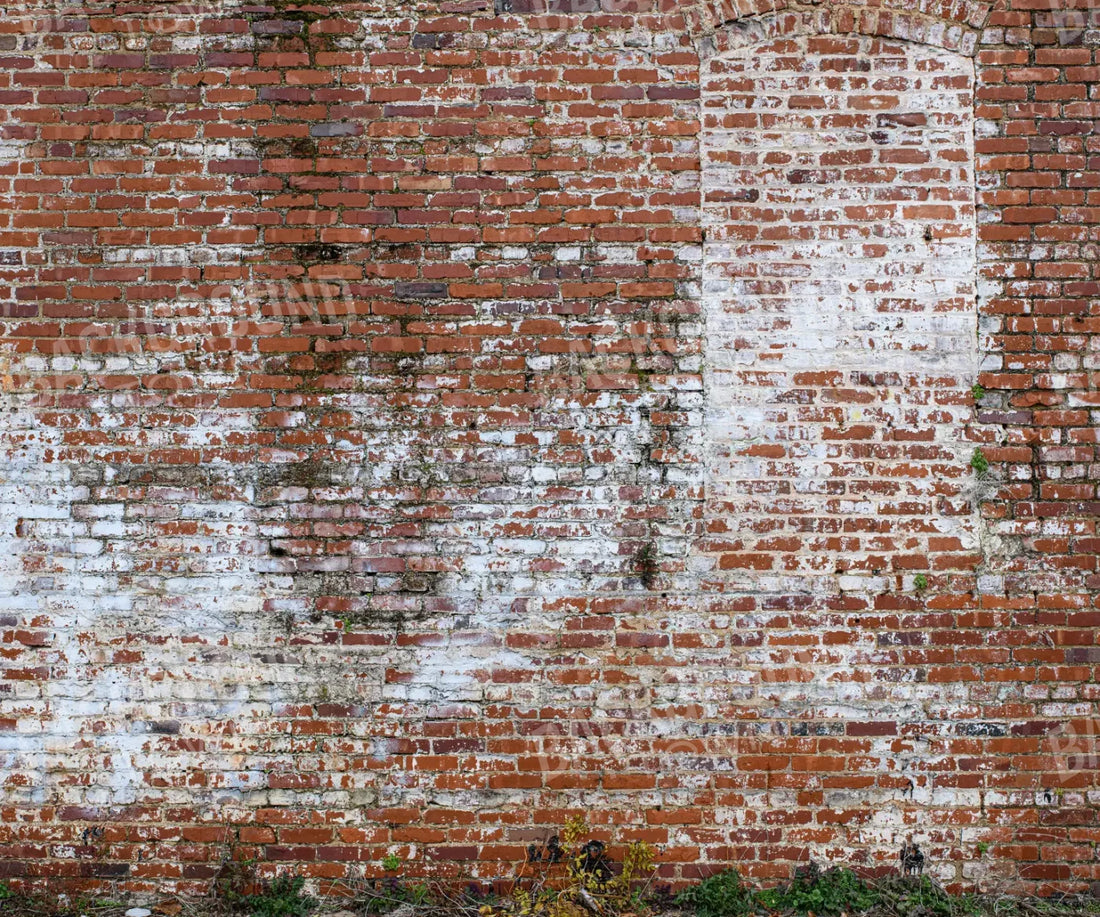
{"x": 726, "y": 25}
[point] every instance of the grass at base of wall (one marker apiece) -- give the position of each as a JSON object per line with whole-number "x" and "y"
{"x": 815, "y": 892}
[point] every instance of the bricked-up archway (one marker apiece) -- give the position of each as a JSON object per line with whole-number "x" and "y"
{"x": 839, "y": 287}
{"x": 839, "y": 293}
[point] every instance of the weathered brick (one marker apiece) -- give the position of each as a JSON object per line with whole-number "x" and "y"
{"x": 437, "y": 406}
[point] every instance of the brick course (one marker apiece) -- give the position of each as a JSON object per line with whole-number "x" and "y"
{"x": 424, "y": 421}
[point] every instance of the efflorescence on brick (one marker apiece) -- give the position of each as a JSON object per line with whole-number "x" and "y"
{"x": 424, "y": 421}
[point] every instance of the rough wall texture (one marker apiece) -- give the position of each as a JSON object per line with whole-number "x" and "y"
{"x": 424, "y": 420}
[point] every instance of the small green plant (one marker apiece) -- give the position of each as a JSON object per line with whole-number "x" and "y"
{"x": 418, "y": 893}
{"x": 281, "y": 898}
{"x": 645, "y": 564}
{"x": 831, "y": 891}
{"x": 920, "y": 582}
{"x": 720, "y": 895}
{"x": 979, "y": 462}
{"x": 236, "y": 881}
{"x": 626, "y": 890}
{"x": 393, "y": 892}
{"x": 5, "y": 892}
{"x": 920, "y": 895}
{"x": 983, "y": 847}
{"x": 977, "y": 392}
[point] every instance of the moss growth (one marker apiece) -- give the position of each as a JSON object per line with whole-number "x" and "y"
{"x": 645, "y": 564}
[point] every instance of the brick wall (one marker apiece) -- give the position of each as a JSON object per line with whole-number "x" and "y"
{"x": 424, "y": 421}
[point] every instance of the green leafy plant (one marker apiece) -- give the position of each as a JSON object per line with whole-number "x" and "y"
{"x": 920, "y": 895}
{"x": 393, "y": 891}
{"x": 979, "y": 462}
{"x": 832, "y": 891}
{"x": 418, "y": 893}
{"x": 5, "y": 892}
{"x": 983, "y": 848}
{"x": 977, "y": 392}
{"x": 281, "y": 898}
{"x": 920, "y": 582}
{"x": 720, "y": 895}
{"x": 236, "y": 881}
{"x": 624, "y": 889}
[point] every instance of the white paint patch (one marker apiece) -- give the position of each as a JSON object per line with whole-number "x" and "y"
{"x": 839, "y": 289}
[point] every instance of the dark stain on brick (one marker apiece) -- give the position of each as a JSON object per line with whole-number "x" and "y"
{"x": 335, "y": 129}
{"x": 165, "y": 727}
{"x": 876, "y": 379}
{"x": 813, "y": 176}
{"x": 319, "y": 252}
{"x": 431, "y": 41}
{"x": 419, "y": 289}
{"x": 104, "y": 870}
{"x": 276, "y": 27}
{"x": 992, "y": 730}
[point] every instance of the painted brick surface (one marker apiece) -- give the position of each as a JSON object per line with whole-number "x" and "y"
{"x": 839, "y": 290}
{"x": 423, "y": 421}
